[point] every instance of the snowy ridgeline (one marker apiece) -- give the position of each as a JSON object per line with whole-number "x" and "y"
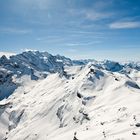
{"x": 46, "y": 97}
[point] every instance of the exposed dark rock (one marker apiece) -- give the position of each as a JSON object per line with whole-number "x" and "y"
{"x": 104, "y": 134}
{"x": 137, "y": 125}
{"x": 15, "y": 118}
{"x": 132, "y": 84}
{"x": 75, "y": 138}
{"x": 79, "y": 95}
{"x": 133, "y": 133}
{"x": 102, "y": 123}
{"x": 116, "y": 79}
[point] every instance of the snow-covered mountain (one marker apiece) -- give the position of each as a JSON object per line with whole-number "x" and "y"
{"x": 7, "y": 54}
{"x": 46, "y": 97}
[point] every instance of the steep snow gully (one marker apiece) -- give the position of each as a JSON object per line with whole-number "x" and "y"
{"x": 46, "y": 97}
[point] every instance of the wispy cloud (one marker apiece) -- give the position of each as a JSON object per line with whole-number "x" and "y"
{"x": 72, "y": 50}
{"x": 93, "y": 15}
{"x": 8, "y": 30}
{"x": 124, "y": 25}
{"x": 84, "y": 43}
{"x": 101, "y": 5}
{"x": 34, "y": 4}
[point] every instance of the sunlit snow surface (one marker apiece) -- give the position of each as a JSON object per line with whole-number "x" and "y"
{"x": 55, "y": 98}
{"x": 7, "y": 54}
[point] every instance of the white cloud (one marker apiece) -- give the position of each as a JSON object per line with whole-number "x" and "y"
{"x": 85, "y": 43}
{"x": 14, "y": 30}
{"x": 97, "y": 15}
{"x": 124, "y": 25}
{"x": 91, "y": 14}
{"x": 73, "y": 44}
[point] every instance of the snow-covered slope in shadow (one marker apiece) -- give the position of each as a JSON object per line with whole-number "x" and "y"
{"x": 85, "y": 102}
{"x": 36, "y": 65}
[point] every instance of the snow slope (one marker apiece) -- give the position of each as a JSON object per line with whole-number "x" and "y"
{"x": 98, "y": 100}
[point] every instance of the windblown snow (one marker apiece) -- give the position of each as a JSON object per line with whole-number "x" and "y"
{"x": 46, "y": 97}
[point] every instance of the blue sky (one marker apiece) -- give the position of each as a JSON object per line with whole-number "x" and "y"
{"x": 98, "y": 29}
